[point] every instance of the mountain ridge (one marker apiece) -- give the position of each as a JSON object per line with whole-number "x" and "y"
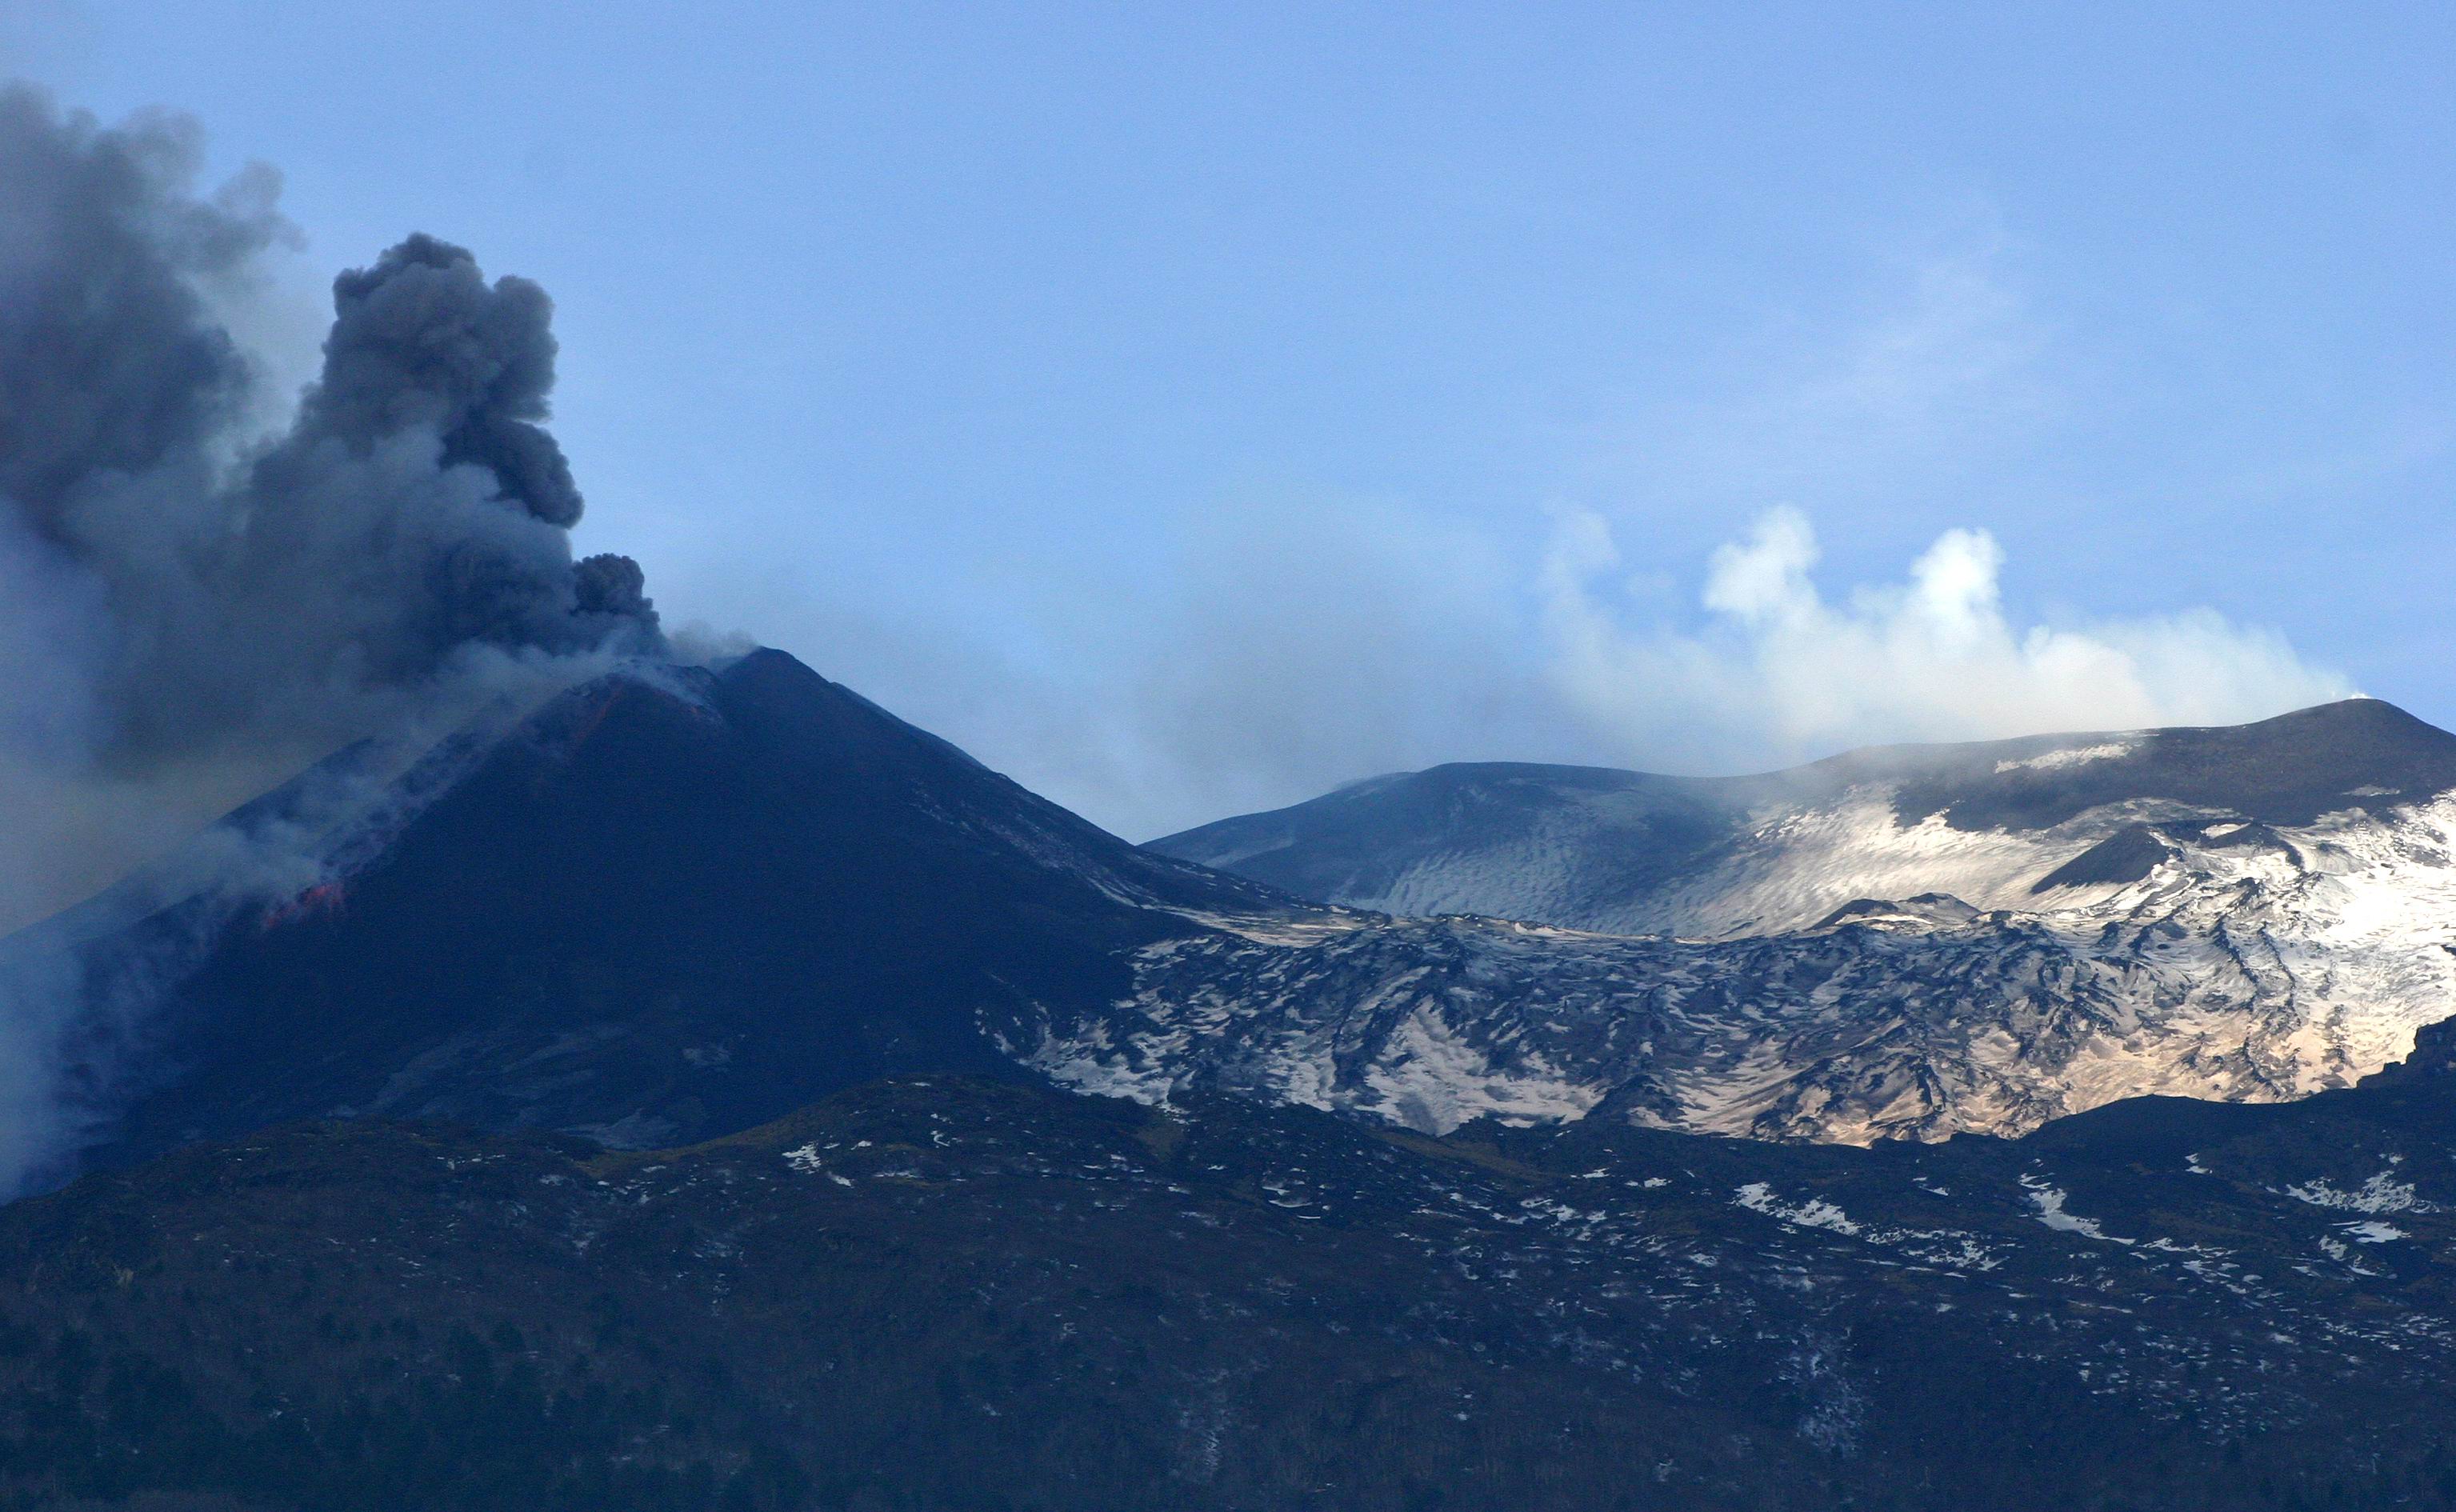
{"x": 673, "y": 902}
{"x": 1908, "y": 940}
{"x": 2353, "y": 743}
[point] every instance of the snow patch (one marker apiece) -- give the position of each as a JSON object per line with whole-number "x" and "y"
{"x": 2380, "y": 1194}
{"x": 2050, "y": 1203}
{"x": 2070, "y": 756}
{"x": 1813, "y": 1214}
{"x": 2373, "y": 1231}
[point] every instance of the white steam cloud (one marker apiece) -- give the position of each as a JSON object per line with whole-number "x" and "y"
{"x": 1780, "y": 672}
{"x": 1304, "y": 645}
{"x": 1299, "y": 643}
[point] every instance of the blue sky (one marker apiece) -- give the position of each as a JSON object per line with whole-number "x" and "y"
{"x": 1187, "y": 408}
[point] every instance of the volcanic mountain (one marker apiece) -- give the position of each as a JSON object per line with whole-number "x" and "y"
{"x": 669, "y": 904}
{"x": 675, "y": 906}
{"x": 675, "y": 902}
{"x": 2017, "y": 824}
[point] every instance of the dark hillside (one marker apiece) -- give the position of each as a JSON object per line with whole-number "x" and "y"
{"x": 665, "y": 907}
{"x": 950, "y": 1294}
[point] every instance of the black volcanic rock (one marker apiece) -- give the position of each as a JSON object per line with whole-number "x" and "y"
{"x": 2430, "y": 1071}
{"x": 2127, "y": 856}
{"x": 671, "y": 904}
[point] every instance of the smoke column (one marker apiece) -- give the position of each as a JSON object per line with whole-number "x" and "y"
{"x": 192, "y": 610}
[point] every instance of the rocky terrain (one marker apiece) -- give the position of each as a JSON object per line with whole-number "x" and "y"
{"x": 1896, "y": 943}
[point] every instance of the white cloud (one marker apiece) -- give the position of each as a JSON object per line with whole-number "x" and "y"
{"x": 1945, "y": 381}
{"x": 1304, "y": 643}
{"x": 1778, "y": 671}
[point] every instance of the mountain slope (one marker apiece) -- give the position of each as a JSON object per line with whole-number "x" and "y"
{"x": 1905, "y": 941}
{"x": 672, "y": 903}
{"x": 952, "y": 1294}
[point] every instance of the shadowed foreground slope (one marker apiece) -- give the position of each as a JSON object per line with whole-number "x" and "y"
{"x": 952, "y": 1294}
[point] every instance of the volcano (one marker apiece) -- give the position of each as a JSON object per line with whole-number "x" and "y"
{"x": 672, "y": 903}
{"x": 1905, "y": 941}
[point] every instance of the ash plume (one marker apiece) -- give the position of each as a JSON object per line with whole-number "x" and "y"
{"x": 199, "y": 605}
{"x": 195, "y": 604}
{"x": 411, "y": 524}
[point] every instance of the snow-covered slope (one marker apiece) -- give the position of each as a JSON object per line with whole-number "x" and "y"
{"x": 1903, "y": 942}
{"x": 1636, "y": 853}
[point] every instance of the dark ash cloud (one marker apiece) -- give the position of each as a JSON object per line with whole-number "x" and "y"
{"x": 408, "y": 532}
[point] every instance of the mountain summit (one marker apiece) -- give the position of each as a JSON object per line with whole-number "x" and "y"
{"x": 1633, "y": 852}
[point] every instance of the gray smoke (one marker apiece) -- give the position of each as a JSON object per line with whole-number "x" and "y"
{"x": 192, "y": 610}
{"x": 411, "y": 525}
